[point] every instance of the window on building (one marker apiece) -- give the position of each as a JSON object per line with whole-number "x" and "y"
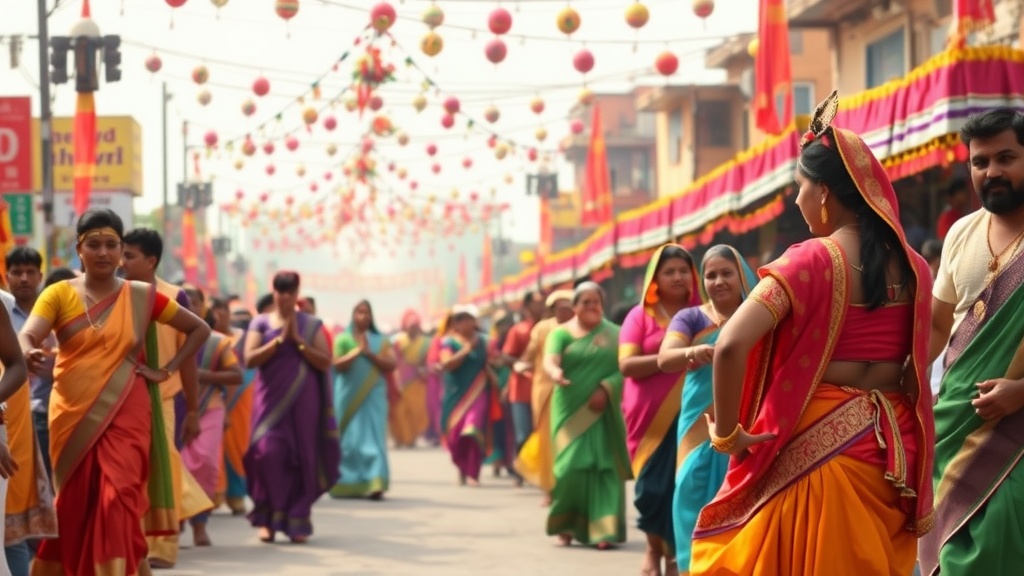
{"x": 803, "y": 100}
{"x": 715, "y": 123}
{"x": 641, "y": 171}
{"x": 796, "y": 42}
{"x": 675, "y": 136}
{"x": 886, "y": 59}
{"x": 645, "y": 124}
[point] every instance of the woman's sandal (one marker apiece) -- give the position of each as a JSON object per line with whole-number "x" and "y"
{"x": 266, "y": 535}
{"x": 300, "y": 539}
{"x": 671, "y": 568}
{"x": 565, "y": 539}
{"x": 604, "y": 546}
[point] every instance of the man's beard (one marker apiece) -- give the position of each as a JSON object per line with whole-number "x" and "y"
{"x": 1008, "y": 200}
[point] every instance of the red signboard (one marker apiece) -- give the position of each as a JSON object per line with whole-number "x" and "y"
{"x": 15, "y": 144}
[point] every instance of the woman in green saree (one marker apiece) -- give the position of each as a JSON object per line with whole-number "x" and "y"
{"x": 588, "y": 503}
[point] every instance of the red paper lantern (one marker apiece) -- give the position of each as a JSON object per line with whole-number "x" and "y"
{"x": 492, "y": 141}
{"x": 531, "y": 154}
{"x": 268, "y": 148}
{"x": 583, "y": 61}
{"x": 291, "y": 143}
{"x": 382, "y": 17}
{"x": 175, "y": 3}
{"x": 435, "y": 168}
{"x": 666, "y": 63}
{"x": 330, "y": 123}
{"x": 261, "y": 86}
{"x": 703, "y": 8}
{"x": 239, "y": 194}
{"x": 313, "y": 187}
{"x": 637, "y": 15}
{"x": 210, "y": 138}
{"x": 467, "y": 163}
{"x": 431, "y": 149}
{"x": 537, "y": 105}
{"x": 451, "y": 105}
{"x": 200, "y": 75}
{"x": 492, "y": 114}
{"x": 153, "y": 63}
{"x": 248, "y": 148}
{"x": 495, "y": 50}
{"x": 576, "y": 126}
{"x": 286, "y": 9}
{"x": 413, "y": 185}
{"x": 499, "y": 21}
{"x": 270, "y": 169}
{"x": 375, "y": 103}
{"x": 447, "y": 121}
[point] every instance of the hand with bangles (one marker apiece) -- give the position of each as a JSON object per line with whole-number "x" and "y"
{"x": 738, "y": 442}
{"x": 998, "y": 398}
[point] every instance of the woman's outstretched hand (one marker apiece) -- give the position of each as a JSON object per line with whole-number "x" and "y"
{"x": 744, "y": 440}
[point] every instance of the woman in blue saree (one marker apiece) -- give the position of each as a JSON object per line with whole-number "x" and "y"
{"x": 725, "y": 282}
{"x": 362, "y": 358}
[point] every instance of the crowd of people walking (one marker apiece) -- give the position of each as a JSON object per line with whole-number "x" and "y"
{"x": 775, "y": 422}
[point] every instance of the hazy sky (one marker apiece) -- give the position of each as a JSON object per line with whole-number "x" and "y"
{"x": 247, "y": 39}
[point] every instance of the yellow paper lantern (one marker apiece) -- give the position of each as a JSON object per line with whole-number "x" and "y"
{"x": 753, "y": 46}
{"x": 432, "y": 44}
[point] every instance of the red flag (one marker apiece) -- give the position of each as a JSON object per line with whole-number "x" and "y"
{"x": 6, "y": 239}
{"x": 189, "y": 249}
{"x": 971, "y": 16}
{"x": 486, "y": 263}
{"x": 544, "y": 247}
{"x": 772, "y": 74}
{"x": 597, "y": 186}
{"x": 460, "y": 280}
{"x": 210, "y": 266}
{"x": 85, "y": 150}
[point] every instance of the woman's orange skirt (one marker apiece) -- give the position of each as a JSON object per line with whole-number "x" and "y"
{"x": 100, "y": 506}
{"x": 841, "y": 519}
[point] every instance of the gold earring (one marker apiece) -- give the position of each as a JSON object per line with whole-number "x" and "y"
{"x": 824, "y": 214}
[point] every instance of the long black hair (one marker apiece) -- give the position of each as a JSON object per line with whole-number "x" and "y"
{"x": 373, "y": 324}
{"x": 821, "y": 162}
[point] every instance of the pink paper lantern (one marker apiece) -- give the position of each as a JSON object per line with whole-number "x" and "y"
{"x": 261, "y": 86}
{"x": 451, "y": 105}
{"x": 467, "y": 163}
{"x": 435, "y": 168}
{"x": 330, "y": 123}
{"x": 447, "y": 120}
{"x": 499, "y": 21}
{"x": 268, "y": 148}
{"x": 291, "y": 143}
{"x": 495, "y": 50}
{"x": 270, "y": 169}
{"x": 583, "y": 61}
{"x": 382, "y": 17}
{"x": 576, "y": 126}
{"x": 431, "y": 149}
{"x": 210, "y": 138}
{"x": 153, "y": 63}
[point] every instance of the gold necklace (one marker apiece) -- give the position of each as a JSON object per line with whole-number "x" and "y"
{"x": 993, "y": 264}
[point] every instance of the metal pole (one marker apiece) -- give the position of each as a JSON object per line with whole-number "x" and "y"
{"x": 184, "y": 152}
{"x": 46, "y": 134}
{"x": 165, "y": 217}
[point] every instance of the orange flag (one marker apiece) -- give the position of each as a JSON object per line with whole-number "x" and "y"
{"x": 6, "y": 239}
{"x": 772, "y": 74}
{"x": 597, "y": 185}
{"x": 189, "y": 248}
{"x": 84, "y": 142}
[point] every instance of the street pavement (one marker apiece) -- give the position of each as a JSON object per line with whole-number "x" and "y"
{"x": 427, "y": 525}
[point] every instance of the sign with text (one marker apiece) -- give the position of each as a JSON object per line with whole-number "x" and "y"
{"x": 120, "y": 202}
{"x": 118, "y": 155}
{"x": 16, "y": 144}
{"x": 20, "y": 206}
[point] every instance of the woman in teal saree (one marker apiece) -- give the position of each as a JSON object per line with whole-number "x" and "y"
{"x": 588, "y": 503}
{"x": 725, "y": 282}
{"x": 363, "y": 357}
{"x": 465, "y": 414}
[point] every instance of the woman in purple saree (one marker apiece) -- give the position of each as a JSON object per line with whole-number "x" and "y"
{"x": 467, "y": 395}
{"x": 294, "y": 454}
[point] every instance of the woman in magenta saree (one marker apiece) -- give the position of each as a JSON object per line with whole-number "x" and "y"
{"x": 294, "y": 455}
{"x": 820, "y": 387}
{"x": 650, "y": 398}
{"x": 465, "y": 412}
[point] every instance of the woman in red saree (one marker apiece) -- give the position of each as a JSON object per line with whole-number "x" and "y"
{"x": 820, "y": 387}
{"x": 101, "y": 413}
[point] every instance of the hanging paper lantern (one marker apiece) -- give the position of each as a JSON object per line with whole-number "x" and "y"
{"x": 200, "y": 75}
{"x": 499, "y": 21}
{"x": 541, "y": 134}
{"x": 310, "y": 115}
{"x": 204, "y": 97}
{"x": 495, "y": 50}
{"x": 175, "y": 3}
{"x": 330, "y": 123}
{"x": 375, "y": 103}
{"x": 419, "y": 102}
{"x": 586, "y": 97}
{"x": 637, "y": 15}
{"x": 248, "y": 107}
{"x": 433, "y": 16}
{"x": 583, "y": 61}
{"x": 402, "y": 173}
{"x": 492, "y": 114}
{"x": 576, "y": 126}
{"x": 261, "y": 86}
{"x": 153, "y": 63}
{"x": 451, "y": 105}
{"x": 431, "y": 149}
{"x": 467, "y": 163}
{"x": 332, "y": 149}
{"x": 300, "y": 171}
{"x": 666, "y": 63}
{"x": 492, "y": 141}
{"x": 286, "y": 9}
{"x": 291, "y": 143}
{"x": 500, "y": 151}
{"x": 268, "y": 148}
{"x": 531, "y": 154}
{"x": 381, "y": 126}
{"x": 382, "y": 17}
{"x": 351, "y": 104}
{"x": 413, "y": 185}
{"x": 248, "y": 147}
{"x": 328, "y": 176}
{"x": 447, "y": 120}
{"x": 703, "y": 8}
{"x": 753, "y": 46}
{"x": 313, "y": 187}
{"x": 568, "y": 20}
{"x": 432, "y": 44}
{"x": 403, "y": 138}
{"x": 219, "y": 4}
{"x": 435, "y": 168}
{"x": 367, "y": 145}
{"x": 537, "y": 105}
{"x": 210, "y": 139}
{"x": 239, "y": 195}
{"x": 270, "y": 169}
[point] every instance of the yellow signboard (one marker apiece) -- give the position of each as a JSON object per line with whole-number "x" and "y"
{"x": 565, "y": 211}
{"x": 118, "y": 155}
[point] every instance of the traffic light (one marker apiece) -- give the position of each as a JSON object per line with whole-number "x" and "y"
{"x": 112, "y": 58}
{"x": 86, "y": 78}
{"x": 59, "y": 46}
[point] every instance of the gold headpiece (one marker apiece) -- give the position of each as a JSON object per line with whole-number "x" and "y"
{"x": 821, "y": 119}
{"x": 105, "y": 231}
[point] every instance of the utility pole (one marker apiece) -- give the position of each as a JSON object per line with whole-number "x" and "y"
{"x": 46, "y": 134}
{"x": 165, "y": 219}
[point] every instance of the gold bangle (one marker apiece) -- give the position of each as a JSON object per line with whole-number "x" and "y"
{"x": 302, "y": 346}
{"x": 725, "y": 444}
{"x": 279, "y": 340}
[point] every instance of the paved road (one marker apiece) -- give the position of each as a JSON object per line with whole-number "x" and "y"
{"x": 427, "y": 526}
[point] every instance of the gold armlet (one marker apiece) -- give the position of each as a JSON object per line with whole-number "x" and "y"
{"x": 726, "y": 444}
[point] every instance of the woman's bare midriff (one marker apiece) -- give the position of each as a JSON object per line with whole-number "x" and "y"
{"x": 867, "y": 376}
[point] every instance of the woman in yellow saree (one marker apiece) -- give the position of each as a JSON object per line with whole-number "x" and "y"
{"x": 820, "y": 388}
{"x": 101, "y": 408}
